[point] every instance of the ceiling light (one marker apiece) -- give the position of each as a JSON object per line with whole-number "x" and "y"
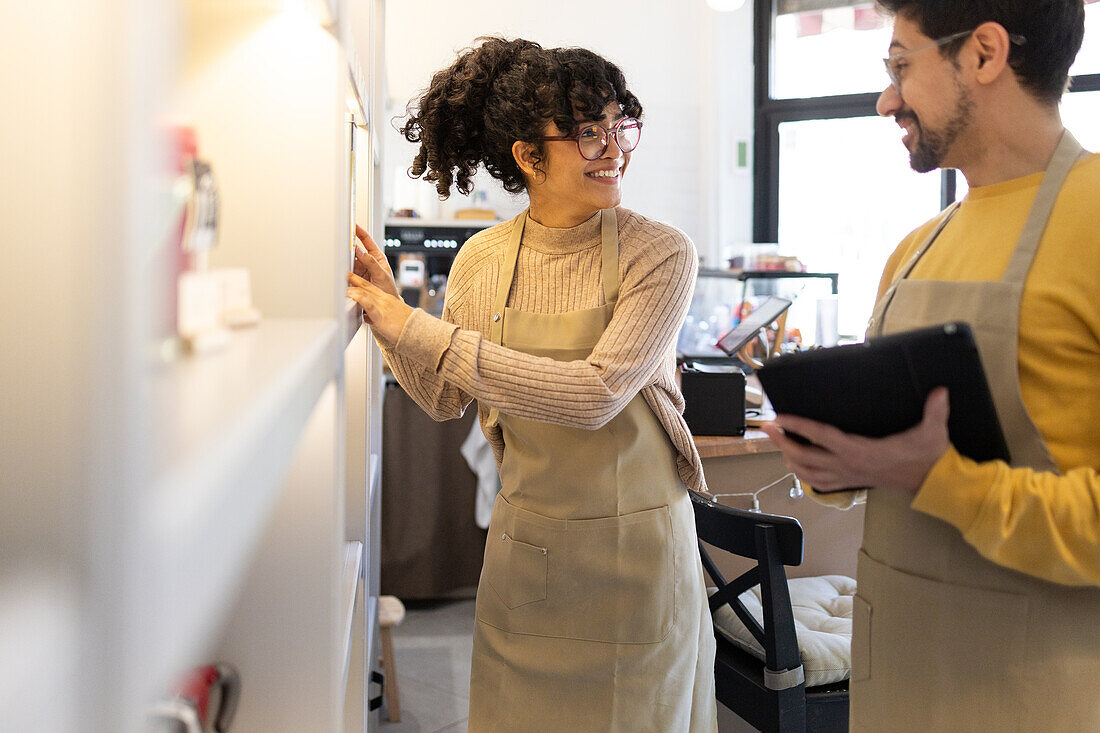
{"x": 725, "y": 6}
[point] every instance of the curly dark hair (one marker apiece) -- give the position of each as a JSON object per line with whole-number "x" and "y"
{"x": 501, "y": 91}
{"x": 1053, "y": 30}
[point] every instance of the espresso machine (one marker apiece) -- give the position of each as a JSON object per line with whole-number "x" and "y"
{"x": 420, "y": 253}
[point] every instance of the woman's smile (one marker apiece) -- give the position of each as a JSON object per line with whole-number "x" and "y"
{"x": 605, "y": 175}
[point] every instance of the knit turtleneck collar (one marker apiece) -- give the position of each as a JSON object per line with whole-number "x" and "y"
{"x": 562, "y": 241}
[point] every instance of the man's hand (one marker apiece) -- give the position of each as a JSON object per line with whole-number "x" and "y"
{"x": 839, "y": 460}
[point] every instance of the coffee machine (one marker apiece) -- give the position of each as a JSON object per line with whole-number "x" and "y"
{"x": 420, "y": 253}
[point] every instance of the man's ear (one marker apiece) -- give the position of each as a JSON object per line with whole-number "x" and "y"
{"x": 992, "y": 45}
{"x": 526, "y": 156}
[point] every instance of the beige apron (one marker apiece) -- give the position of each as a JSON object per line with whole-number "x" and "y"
{"x": 591, "y": 610}
{"x": 943, "y": 639}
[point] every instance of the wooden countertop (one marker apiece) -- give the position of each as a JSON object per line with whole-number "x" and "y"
{"x": 718, "y": 446}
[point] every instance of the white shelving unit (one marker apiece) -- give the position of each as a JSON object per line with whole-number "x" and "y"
{"x": 157, "y": 514}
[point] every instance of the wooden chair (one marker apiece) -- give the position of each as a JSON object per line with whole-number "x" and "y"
{"x": 770, "y": 695}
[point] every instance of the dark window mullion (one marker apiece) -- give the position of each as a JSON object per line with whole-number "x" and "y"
{"x": 948, "y": 184}
{"x": 765, "y": 219}
{"x": 820, "y": 108}
{"x": 1085, "y": 83}
{"x": 765, "y": 214}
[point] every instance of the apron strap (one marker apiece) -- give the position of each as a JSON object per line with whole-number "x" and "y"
{"x": 609, "y": 233}
{"x": 504, "y": 280}
{"x": 1065, "y": 155}
{"x": 504, "y": 285}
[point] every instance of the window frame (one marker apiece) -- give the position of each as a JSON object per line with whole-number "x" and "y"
{"x": 769, "y": 113}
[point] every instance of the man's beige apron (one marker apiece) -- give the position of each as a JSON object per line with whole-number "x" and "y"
{"x": 591, "y": 610}
{"x": 943, "y": 639}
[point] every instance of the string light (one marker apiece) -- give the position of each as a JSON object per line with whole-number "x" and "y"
{"x": 796, "y": 491}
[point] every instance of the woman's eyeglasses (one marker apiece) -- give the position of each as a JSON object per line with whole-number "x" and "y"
{"x": 592, "y": 139}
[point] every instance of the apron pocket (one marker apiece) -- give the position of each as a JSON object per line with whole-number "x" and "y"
{"x": 519, "y": 574}
{"x": 610, "y": 579}
{"x": 940, "y": 656}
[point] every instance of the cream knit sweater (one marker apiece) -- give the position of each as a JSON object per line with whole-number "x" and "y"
{"x": 444, "y": 364}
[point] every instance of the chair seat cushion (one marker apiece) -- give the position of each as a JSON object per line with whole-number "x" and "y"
{"x": 823, "y": 624}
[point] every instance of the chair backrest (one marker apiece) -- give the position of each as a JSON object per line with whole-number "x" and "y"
{"x": 773, "y": 541}
{"x": 734, "y": 530}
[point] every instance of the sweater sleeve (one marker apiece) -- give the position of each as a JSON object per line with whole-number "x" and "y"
{"x": 653, "y": 298}
{"x": 416, "y": 371}
{"x": 1039, "y": 523}
{"x": 439, "y": 399}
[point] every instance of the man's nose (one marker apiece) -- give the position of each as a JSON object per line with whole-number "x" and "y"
{"x": 889, "y": 101}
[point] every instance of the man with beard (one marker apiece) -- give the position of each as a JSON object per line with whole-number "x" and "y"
{"x": 978, "y": 605}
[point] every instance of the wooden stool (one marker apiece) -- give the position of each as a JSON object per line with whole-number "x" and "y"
{"x": 391, "y": 612}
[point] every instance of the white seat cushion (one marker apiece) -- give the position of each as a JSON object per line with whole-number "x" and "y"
{"x": 822, "y": 622}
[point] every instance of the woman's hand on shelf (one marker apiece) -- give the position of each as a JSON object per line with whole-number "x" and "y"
{"x": 371, "y": 263}
{"x": 386, "y": 313}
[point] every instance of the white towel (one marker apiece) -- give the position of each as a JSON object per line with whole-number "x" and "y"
{"x": 479, "y": 455}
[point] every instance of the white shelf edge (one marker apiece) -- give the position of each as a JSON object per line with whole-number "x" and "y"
{"x": 353, "y": 573}
{"x": 207, "y": 507}
{"x": 374, "y": 474}
{"x": 353, "y": 321}
{"x": 372, "y": 633}
{"x": 355, "y": 80}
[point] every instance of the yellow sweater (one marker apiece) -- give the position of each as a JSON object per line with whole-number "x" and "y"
{"x": 1040, "y": 523}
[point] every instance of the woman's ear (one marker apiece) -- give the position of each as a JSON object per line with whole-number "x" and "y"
{"x": 526, "y": 155}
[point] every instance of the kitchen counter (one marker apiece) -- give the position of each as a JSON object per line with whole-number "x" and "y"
{"x": 718, "y": 446}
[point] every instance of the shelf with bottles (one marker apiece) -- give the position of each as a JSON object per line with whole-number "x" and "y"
{"x": 170, "y": 507}
{"x": 256, "y": 492}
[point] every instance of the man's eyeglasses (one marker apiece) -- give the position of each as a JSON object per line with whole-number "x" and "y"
{"x": 592, "y": 139}
{"x": 893, "y": 63}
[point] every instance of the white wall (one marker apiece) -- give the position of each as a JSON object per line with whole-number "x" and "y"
{"x": 690, "y": 66}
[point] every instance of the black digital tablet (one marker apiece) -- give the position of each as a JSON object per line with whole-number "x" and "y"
{"x": 760, "y": 317}
{"x": 879, "y": 388}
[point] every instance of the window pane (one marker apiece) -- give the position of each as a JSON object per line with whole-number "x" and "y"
{"x": 837, "y": 50}
{"x": 1088, "y": 58}
{"x": 1081, "y": 116}
{"x": 847, "y": 196}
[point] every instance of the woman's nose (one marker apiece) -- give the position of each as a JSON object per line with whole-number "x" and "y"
{"x": 889, "y": 101}
{"x": 609, "y": 153}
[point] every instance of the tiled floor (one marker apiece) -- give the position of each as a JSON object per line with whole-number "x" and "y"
{"x": 432, "y": 647}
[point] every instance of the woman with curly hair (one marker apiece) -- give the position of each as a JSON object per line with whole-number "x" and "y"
{"x": 591, "y": 611}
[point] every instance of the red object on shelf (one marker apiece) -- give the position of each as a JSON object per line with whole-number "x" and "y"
{"x": 200, "y": 686}
{"x": 196, "y": 688}
{"x": 183, "y": 148}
